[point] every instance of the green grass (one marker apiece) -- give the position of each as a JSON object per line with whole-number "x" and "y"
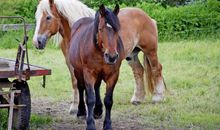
{"x": 37, "y": 121}
{"x": 191, "y": 70}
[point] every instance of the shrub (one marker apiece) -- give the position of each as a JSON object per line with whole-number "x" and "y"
{"x": 27, "y": 9}
{"x": 194, "y": 21}
{"x": 199, "y": 20}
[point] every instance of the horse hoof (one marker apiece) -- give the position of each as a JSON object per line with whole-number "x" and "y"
{"x": 110, "y": 128}
{"x": 97, "y": 116}
{"x": 73, "y": 110}
{"x": 92, "y": 127}
{"x": 82, "y": 117}
{"x": 97, "y": 113}
{"x": 157, "y": 98}
{"x": 136, "y": 103}
{"x": 81, "y": 114}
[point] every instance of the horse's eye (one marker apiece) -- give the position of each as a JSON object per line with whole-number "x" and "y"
{"x": 48, "y": 17}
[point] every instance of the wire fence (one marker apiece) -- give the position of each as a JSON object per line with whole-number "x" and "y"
{"x": 7, "y": 27}
{"x": 168, "y": 30}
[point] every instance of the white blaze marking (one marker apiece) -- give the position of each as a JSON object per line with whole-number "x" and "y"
{"x": 108, "y": 25}
{"x": 37, "y": 29}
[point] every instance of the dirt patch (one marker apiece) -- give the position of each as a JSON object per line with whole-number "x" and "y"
{"x": 62, "y": 120}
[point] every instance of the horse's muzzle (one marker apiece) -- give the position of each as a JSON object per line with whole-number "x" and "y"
{"x": 41, "y": 40}
{"x": 111, "y": 59}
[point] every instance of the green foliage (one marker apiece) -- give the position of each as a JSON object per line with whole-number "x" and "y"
{"x": 95, "y": 3}
{"x": 27, "y": 9}
{"x": 3, "y": 118}
{"x": 164, "y": 3}
{"x": 195, "y": 21}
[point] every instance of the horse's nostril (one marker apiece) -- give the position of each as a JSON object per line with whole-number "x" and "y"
{"x": 116, "y": 55}
{"x": 106, "y": 55}
{"x": 39, "y": 42}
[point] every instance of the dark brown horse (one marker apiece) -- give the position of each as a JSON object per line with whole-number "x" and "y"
{"x": 96, "y": 52}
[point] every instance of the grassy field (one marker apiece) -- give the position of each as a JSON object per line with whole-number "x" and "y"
{"x": 191, "y": 70}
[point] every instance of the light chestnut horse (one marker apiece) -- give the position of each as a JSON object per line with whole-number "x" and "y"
{"x": 138, "y": 33}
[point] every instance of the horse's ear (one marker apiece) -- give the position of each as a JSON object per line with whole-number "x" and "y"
{"x": 102, "y": 10}
{"x": 116, "y": 10}
{"x": 51, "y": 2}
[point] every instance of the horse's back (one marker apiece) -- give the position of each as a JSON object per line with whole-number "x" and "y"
{"x": 81, "y": 23}
{"x": 137, "y": 29}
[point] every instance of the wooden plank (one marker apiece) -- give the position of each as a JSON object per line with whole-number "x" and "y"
{"x": 4, "y": 64}
{"x": 34, "y": 70}
{"x": 8, "y": 105}
{"x": 11, "y": 108}
{"x": 8, "y": 92}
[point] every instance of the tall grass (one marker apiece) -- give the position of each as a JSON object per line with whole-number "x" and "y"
{"x": 191, "y": 71}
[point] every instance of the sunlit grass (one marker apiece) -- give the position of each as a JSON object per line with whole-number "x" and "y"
{"x": 191, "y": 71}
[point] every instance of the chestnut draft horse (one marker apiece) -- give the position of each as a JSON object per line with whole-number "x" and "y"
{"x": 138, "y": 33}
{"x": 96, "y": 53}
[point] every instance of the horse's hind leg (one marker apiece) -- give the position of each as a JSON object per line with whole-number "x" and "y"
{"x": 138, "y": 71}
{"x": 156, "y": 71}
{"x": 74, "y": 106}
{"x": 98, "y": 104}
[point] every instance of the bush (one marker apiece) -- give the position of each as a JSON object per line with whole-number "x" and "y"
{"x": 195, "y": 21}
{"x": 27, "y": 9}
{"x": 24, "y": 8}
{"x": 95, "y": 3}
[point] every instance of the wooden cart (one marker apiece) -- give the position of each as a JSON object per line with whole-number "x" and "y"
{"x": 15, "y": 95}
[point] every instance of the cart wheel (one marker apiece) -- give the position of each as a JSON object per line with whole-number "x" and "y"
{"x": 21, "y": 116}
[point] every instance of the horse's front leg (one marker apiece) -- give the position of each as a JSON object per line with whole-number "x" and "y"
{"x": 74, "y": 106}
{"x": 81, "y": 107}
{"x": 90, "y": 98}
{"x": 98, "y": 105}
{"x": 138, "y": 72}
{"x": 108, "y": 100}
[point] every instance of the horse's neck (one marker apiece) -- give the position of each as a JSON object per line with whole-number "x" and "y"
{"x": 65, "y": 32}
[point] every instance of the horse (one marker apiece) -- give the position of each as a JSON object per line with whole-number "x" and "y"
{"x": 96, "y": 52}
{"x": 138, "y": 33}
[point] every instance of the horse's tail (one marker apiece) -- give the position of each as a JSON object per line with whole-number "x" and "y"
{"x": 150, "y": 79}
{"x": 148, "y": 73}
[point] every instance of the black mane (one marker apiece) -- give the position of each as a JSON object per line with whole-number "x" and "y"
{"x": 110, "y": 18}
